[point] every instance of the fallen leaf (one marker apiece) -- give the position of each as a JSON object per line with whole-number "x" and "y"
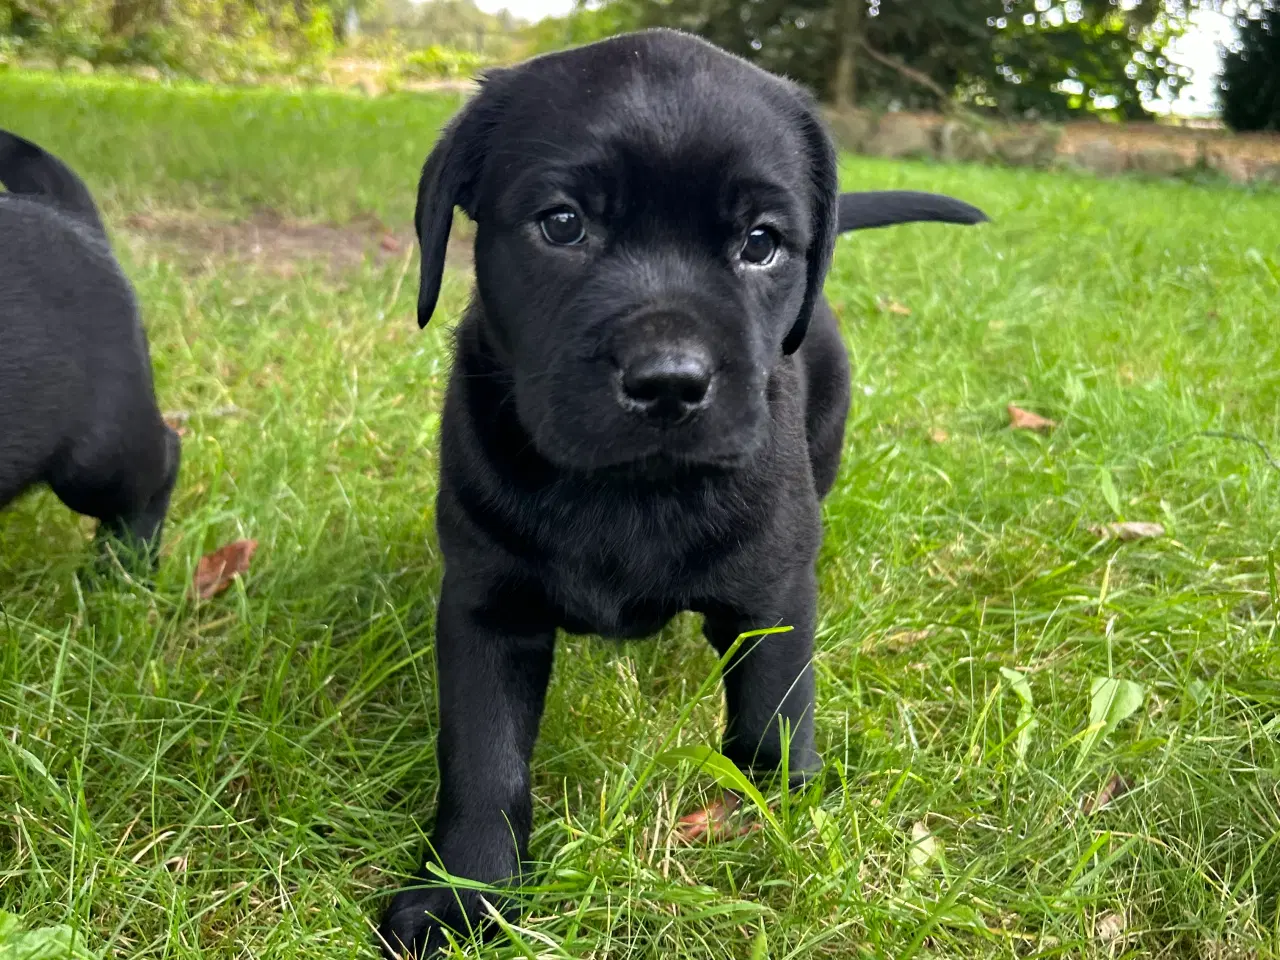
{"x": 713, "y": 822}
{"x": 216, "y": 570}
{"x": 1130, "y": 530}
{"x": 176, "y": 426}
{"x": 182, "y": 416}
{"x": 177, "y": 864}
{"x": 389, "y": 243}
{"x": 893, "y": 306}
{"x": 895, "y": 642}
{"x": 1113, "y": 789}
{"x": 1109, "y": 927}
{"x": 938, "y": 435}
{"x": 1020, "y": 419}
{"x": 924, "y": 849}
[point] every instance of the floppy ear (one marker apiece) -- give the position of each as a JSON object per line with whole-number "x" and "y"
{"x": 823, "y": 187}
{"x": 28, "y": 169}
{"x": 449, "y": 179}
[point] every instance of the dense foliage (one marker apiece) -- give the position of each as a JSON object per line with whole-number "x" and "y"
{"x": 1043, "y": 57}
{"x": 1251, "y": 75}
{"x": 221, "y": 38}
{"x": 1017, "y": 58}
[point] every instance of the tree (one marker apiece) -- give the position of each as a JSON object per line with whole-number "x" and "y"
{"x": 1047, "y": 57}
{"x": 1251, "y": 74}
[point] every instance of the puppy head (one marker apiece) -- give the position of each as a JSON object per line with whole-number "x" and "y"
{"x": 654, "y": 221}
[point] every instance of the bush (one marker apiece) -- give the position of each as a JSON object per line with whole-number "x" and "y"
{"x": 443, "y": 63}
{"x": 212, "y": 39}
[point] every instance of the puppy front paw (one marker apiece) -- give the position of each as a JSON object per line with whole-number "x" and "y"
{"x": 415, "y": 922}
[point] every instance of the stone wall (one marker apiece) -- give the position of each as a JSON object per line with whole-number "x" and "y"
{"x": 1106, "y": 149}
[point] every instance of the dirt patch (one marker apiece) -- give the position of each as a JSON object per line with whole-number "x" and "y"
{"x": 282, "y": 246}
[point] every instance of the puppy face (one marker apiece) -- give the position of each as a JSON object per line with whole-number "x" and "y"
{"x": 654, "y": 218}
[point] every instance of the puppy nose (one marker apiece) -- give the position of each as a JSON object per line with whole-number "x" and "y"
{"x": 667, "y": 384}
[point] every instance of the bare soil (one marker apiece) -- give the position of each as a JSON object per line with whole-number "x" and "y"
{"x": 280, "y": 245}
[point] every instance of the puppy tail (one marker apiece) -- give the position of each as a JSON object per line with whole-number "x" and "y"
{"x": 884, "y": 208}
{"x": 31, "y": 171}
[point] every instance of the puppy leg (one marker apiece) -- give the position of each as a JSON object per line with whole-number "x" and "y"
{"x": 492, "y": 669}
{"x": 768, "y": 683}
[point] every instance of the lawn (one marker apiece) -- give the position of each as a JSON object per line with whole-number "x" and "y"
{"x": 247, "y": 776}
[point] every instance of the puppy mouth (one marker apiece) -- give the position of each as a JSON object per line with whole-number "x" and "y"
{"x": 657, "y": 452}
{"x": 668, "y": 465}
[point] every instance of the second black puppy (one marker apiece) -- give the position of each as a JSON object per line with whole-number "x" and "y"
{"x": 647, "y": 403}
{"x": 77, "y": 409}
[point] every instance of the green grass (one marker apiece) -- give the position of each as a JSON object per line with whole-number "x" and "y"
{"x": 246, "y": 776}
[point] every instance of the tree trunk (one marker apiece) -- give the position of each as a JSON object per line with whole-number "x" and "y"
{"x": 130, "y": 16}
{"x": 844, "y": 85}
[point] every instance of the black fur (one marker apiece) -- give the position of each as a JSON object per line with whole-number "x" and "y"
{"x": 77, "y": 409}
{"x": 571, "y": 498}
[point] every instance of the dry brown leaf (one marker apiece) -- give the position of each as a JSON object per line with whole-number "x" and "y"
{"x": 1131, "y": 530}
{"x": 893, "y": 306}
{"x": 389, "y": 243}
{"x": 896, "y": 642}
{"x": 713, "y": 822}
{"x": 1112, "y": 790}
{"x": 1109, "y": 927}
{"x": 1020, "y": 419}
{"x": 216, "y": 570}
{"x": 938, "y": 435}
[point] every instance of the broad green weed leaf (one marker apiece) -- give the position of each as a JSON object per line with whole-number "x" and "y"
{"x": 1027, "y": 723}
{"x": 1111, "y": 702}
{"x": 47, "y": 943}
{"x": 725, "y": 773}
{"x": 830, "y": 834}
{"x": 1108, "y": 488}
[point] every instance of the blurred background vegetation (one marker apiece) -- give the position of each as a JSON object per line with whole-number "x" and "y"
{"x": 1013, "y": 59}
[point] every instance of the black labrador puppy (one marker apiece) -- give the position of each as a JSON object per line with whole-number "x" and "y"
{"x": 77, "y": 409}
{"x": 647, "y": 405}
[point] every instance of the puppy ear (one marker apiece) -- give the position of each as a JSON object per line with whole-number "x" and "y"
{"x": 28, "y": 169}
{"x": 823, "y": 192}
{"x": 449, "y": 179}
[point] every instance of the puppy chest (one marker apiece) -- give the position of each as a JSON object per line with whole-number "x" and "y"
{"x": 617, "y": 590}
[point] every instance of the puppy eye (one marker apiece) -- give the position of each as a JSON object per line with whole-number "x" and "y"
{"x": 562, "y": 227}
{"x": 760, "y": 247}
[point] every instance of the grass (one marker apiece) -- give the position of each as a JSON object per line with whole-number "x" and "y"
{"x": 247, "y": 776}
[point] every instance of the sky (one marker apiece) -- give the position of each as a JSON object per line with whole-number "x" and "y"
{"x": 1196, "y": 49}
